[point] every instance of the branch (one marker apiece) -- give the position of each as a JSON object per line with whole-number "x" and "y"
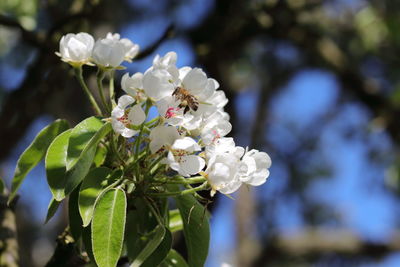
{"x": 311, "y": 244}
{"x": 8, "y": 234}
{"x": 28, "y": 36}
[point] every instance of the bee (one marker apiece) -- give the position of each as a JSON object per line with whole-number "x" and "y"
{"x": 188, "y": 101}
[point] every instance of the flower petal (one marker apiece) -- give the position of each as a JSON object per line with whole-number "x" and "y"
{"x": 125, "y": 101}
{"x": 136, "y": 115}
{"x": 190, "y": 165}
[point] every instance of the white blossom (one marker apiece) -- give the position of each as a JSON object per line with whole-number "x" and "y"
{"x": 158, "y": 83}
{"x": 108, "y": 53}
{"x": 168, "y": 108}
{"x": 222, "y": 173}
{"x": 133, "y": 85}
{"x": 215, "y": 126}
{"x": 76, "y": 49}
{"x": 228, "y": 166}
{"x": 181, "y": 158}
{"x": 255, "y": 167}
{"x": 123, "y": 117}
{"x": 161, "y": 136}
{"x": 131, "y": 49}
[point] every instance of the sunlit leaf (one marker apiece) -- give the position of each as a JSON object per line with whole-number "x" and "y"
{"x": 55, "y": 165}
{"x": 62, "y": 182}
{"x": 108, "y": 227}
{"x": 35, "y": 153}
{"x": 175, "y": 221}
{"x": 84, "y": 137}
{"x": 75, "y": 175}
{"x": 100, "y": 156}
{"x": 92, "y": 186}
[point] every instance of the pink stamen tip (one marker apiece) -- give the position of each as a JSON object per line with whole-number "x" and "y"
{"x": 216, "y": 136}
{"x": 170, "y": 113}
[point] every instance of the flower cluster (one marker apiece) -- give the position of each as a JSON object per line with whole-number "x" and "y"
{"x": 188, "y": 136}
{"x": 110, "y": 52}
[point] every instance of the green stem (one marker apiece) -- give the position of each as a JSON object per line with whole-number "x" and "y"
{"x": 113, "y": 185}
{"x": 138, "y": 139}
{"x": 79, "y": 76}
{"x": 180, "y": 193}
{"x": 111, "y": 89}
{"x": 115, "y": 150}
{"x": 150, "y": 122}
{"x": 155, "y": 213}
{"x": 193, "y": 180}
{"x": 154, "y": 164}
{"x": 100, "y": 76}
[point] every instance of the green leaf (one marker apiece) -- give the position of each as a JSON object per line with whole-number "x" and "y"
{"x": 52, "y": 209}
{"x": 108, "y": 227}
{"x": 196, "y": 229}
{"x": 2, "y": 186}
{"x": 87, "y": 242}
{"x": 155, "y": 239}
{"x": 75, "y": 175}
{"x": 175, "y": 221}
{"x": 75, "y": 221}
{"x": 85, "y": 136}
{"x": 62, "y": 182}
{"x": 174, "y": 259}
{"x": 161, "y": 252}
{"x": 35, "y": 153}
{"x": 139, "y": 226}
{"x": 100, "y": 155}
{"x": 55, "y": 165}
{"x": 92, "y": 186}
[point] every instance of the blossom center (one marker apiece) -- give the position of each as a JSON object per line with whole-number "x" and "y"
{"x": 171, "y": 112}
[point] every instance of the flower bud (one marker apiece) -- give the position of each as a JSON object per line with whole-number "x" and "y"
{"x": 76, "y": 49}
{"x": 108, "y": 53}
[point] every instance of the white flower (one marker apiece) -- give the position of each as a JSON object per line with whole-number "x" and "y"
{"x": 222, "y": 173}
{"x": 160, "y": 80}
{"x": 168, "y": 107}
{"x": 197, "y": 84}
{"x": 108, "y": 53}
{"x": 158, "y": 83}
{"x": 162, "y": 136}
{"x": 131, "y": 49}
{"x": 255, "y": 166}
{"x": 76, "y": 49}
{"x": 181, "y": 159}
{"x": 217, "y": 125}
{"x": 124, "y": 117}
{"x": 228, "y": 166}
{"x": 224, "y": 145}
{"x": 216, "y": 102}
{"x": 133, "y": 85}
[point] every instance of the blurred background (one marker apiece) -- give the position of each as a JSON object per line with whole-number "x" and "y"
{"x": 314, "y": 83}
